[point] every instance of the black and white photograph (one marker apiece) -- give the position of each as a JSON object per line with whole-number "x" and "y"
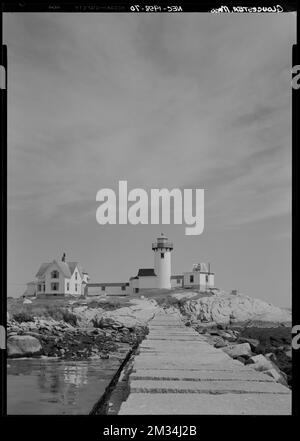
{"x": 149, "y": 212}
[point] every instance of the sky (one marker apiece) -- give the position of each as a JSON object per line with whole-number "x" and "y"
{"x": 162, "y": 101}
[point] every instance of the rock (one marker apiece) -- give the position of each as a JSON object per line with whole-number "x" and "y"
{"x": 94, "y": 357}
{"x": 201, "y": 330}
{"x": 253, "y": 342}
{"x": 278, "y": 376}
{"x": 261, "y": 363}
{"x": 138, "y": 313}
{"x": 289, "y": 353}
{"x": 272, "y": 357}
{"x": 215, "y": 332}
{"x": 104, "y": 356}
{"x": 260, "y": 349}
{"x": 34, "y": 334}
{"x": 223, "y": 308}
{"x": 238, "y": 350}
{"x": 23, "y": 345}
{"x": 220, "y": 343}
{"x": 228, "y": 335}
{"x": 97, "y": 331}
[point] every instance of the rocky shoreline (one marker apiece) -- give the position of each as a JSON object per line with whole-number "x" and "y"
{"x": 85, "y": 333}
{"x": 46, "y": 337}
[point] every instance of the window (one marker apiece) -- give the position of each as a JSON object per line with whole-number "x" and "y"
{"x": 136, "y": 289}
{"x": 54, "y": 286}
{"x": 162, "y": 255}
{"x": 178, "y": 280}
{"x": 123, "y": 288}
{"x": 68, "y": 286}
{"x": 75, "y": 276}
{"x": 191, "y": 279}
{"x": 39, "y": 287}
{"x": 76, "y": 287}
{"x": 102, "y": 288}
{"x": 206, "y": 278}
{"x": 54, "y": 274}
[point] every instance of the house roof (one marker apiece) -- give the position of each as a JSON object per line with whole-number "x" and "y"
{"x": 67, "y": 268}
{"x": 146, "y": 272}
{"x": 180, "y": 276}
{"x": 64, "y": 267}
{"x": 72, "y": 266}
{"x": 42, "y": 269}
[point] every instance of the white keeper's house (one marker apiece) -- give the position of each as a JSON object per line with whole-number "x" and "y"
{"x": 58, "y": 278}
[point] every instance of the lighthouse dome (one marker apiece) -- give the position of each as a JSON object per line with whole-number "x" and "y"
{"x": 162, "y": 242}
{"x": 162, "y": 238}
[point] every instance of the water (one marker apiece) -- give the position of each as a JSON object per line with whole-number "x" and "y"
{"x": 56, "y": 387}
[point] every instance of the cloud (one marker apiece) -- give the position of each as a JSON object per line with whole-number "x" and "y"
{"x": 258, "y": 116}
{"x": 164, "y": 101}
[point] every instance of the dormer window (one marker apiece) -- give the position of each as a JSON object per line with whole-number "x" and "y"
{"x": 54, "y": 274}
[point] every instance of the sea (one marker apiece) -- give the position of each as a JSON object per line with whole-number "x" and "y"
{"x": 51, "y": 386}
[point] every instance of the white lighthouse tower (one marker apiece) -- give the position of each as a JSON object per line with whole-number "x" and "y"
{"x": 162, "y": 261}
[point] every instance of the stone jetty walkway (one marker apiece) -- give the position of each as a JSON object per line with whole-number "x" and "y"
{"x": 178, "y": 372}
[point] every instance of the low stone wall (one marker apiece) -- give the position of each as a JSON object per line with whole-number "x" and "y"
{"x": 50, "y": 296}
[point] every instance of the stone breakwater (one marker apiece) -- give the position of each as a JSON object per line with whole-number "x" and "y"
{"x": 177, "y": 371}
